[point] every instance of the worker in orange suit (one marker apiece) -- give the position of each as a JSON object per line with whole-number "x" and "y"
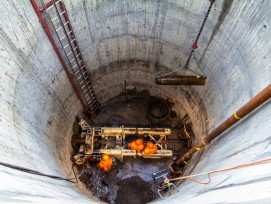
{"x": 150, "y": 148}
{"x": 105, "y": 163}
{"x": 136, "y": 145}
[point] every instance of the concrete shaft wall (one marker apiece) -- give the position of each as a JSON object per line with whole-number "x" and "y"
{"x": 134, "y": 41}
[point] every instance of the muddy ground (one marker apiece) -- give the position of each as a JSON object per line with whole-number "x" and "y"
{"x": 128, "y": 182}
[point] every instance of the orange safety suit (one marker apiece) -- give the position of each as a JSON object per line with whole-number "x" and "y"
{"x": 150, "y": 148}
{"x": 136, "y": 145}
{"x": 105, "y": 163}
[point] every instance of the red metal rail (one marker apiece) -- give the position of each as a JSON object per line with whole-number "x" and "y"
{"x": 47, "y": 30}
{"x": 66, "y": 16}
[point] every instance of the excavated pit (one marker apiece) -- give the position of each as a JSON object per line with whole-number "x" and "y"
{"x": 133, "y": 176}
{"x": 130, "y": 42}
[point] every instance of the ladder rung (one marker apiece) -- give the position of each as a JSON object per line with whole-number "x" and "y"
{"x": 88, "y": 98}
{"x": 93, "y": 98}
{"x": 55, "y": 18}
{"x": 90, "y": 95}
{"x": 95, "y": 109}
{"x": 58, "y": 16}
{"x": 62, "y": 13}
{"x": 81, "y": 82}
{"x": 73, "y": 40}
{"x": 50, "y": 7}
{"x": 72, "y": 59}
{"x": 61, "y": 26}
{"x": 66, "y": 46}
{"x": 69, "y": 53}
{"x": 66, "y": 23}
{"x": 77, "y": 71}
{"x": 85, "y": 90}
{"x": 77, "y": 55}
{"x": 85, "y": 85}
{"x": 69, "y": 32}
{"x": 92, "y": 101}
{"x": 75, "y": 48}
{"x": 53, "y": 5}
{"x": 80, "y": 61}
{"x": 74, "y": 66}
{"x": 63, "y": 37}
{"x": 88, "y": 82}
{"x": 97, "y": 104}
{"x": 79, "y": 77}
{"x": 93, "y": 94}
{"x": 58, "y": 29}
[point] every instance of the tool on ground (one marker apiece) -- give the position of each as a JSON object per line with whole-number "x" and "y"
{"x": 161, "y": 179}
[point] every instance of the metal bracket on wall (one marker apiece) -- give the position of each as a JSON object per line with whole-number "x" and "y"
{"x": 56, "y": 23}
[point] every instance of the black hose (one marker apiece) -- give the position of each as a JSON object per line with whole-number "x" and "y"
{"x": 30, "y": 171}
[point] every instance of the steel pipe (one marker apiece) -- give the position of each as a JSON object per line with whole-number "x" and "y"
{"x": 180, "y": 80}
{"x": 254, "y": 103}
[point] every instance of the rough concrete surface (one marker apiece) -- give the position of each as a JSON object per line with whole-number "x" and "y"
{"x": 134, "y": 40}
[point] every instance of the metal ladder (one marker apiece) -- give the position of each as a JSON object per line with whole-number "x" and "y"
{"x": 59, "y": 20}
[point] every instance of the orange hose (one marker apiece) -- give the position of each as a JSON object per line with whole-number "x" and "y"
{"x": 221, "y": 170}
{"x": 199, "y": 181}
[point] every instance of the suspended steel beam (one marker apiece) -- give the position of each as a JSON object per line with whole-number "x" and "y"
{"x": 180, "y": 80}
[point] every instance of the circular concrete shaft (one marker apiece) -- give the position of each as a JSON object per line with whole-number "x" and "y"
{"x": 134, "y": 41}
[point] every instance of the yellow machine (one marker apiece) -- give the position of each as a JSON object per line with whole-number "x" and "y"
{"x": 111, "y": 141}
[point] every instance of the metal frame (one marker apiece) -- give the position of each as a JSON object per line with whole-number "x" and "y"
{"x": 119, "y": 134}
{"x": 78, "y": 77}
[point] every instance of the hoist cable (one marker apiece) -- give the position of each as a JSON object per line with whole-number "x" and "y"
{"x": 204, "y": 75}
{"x": 195, "y": 44}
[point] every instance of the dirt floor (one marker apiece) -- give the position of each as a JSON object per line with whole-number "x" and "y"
{"x": 129, "y": 181}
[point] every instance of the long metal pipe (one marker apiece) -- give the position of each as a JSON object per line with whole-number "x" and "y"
{"x": 47, "y": 30}
{"x": 180, "y": 80}
{"x": 254, "y": 103}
